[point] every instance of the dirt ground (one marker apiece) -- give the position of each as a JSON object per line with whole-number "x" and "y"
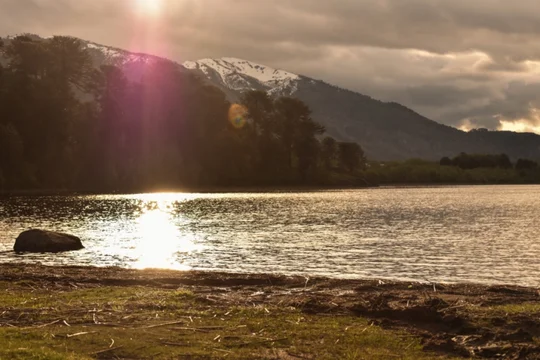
{"x": 464, "y": 320}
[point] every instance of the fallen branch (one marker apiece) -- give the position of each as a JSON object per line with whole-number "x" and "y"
{"x": 171, "y": 343}
{"x": 106, "y": 325}
{"x": 106, "y": 350}
{"x": 260, "y": 342}
{"x": 210, "y": 327}
{"x": 76, "y": 334}
{"x": 164, "y": 324}
{"x": 296, "y": 355}
{"x": 192, "y": 329}
{"x": 80, "y": 333}
{"x": 45, "y": 325}
{"x": 225, "y": 351}
{"x": 454, "y": 307}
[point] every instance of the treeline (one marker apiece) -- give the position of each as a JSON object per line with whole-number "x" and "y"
{"x": 64, "y": 124}
{"x": 462, "y": 169}
{"x": 475, "y": 161}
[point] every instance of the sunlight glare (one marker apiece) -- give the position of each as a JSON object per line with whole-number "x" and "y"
{"x": 149, "y": 7}
{"x": 160, "y": 239}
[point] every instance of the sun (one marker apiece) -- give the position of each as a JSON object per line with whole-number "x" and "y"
{"x": 149, "y": 7}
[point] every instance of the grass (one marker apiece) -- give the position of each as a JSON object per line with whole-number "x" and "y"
{"x": 149, "y": 323}
{"x": 484, "y": 315}
{"x": 512, "y": 309}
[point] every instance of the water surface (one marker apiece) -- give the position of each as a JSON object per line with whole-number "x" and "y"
{"x": 487, "y": 234}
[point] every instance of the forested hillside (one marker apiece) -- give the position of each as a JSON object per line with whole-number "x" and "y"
{"x": 66, "y": 123}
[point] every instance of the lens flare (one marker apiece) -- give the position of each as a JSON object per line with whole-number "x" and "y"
{"x": 237, "y": 115}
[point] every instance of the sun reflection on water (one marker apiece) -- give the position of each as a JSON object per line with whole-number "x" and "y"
{"x": 161, "y": 238}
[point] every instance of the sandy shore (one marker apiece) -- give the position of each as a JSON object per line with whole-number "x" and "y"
{"x": 452, "y": 320}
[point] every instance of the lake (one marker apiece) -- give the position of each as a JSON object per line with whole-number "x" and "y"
{"x": 484, "y": 234}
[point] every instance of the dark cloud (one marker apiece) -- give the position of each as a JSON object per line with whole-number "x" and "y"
{"x": 456, "y": 61}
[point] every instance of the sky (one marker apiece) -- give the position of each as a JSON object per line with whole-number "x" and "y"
{"x": 465, "y": 63}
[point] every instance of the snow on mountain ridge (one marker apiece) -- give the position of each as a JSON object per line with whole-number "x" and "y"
{"x": 119, "y": 57}
{"x": 233, "y": 73}
{"x": 105, "y": 50}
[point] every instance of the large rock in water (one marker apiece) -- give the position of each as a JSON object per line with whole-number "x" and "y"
{"x": 40, "y": 241}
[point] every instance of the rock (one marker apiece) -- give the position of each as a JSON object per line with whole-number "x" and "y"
{"x": 40, "y": 241}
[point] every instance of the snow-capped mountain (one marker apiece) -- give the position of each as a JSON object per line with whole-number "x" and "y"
{"x": 386, "y": 131}
{"x": 241, "y": 75}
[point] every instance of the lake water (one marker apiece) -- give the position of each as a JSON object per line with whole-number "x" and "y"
{"x": 486, "y": 234}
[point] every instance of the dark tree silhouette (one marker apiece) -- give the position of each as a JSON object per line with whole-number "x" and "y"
{"x": 525, "y": 164}
{"x": 446, "y": 161}
{"x": 351, "y": 156}
{"x": 474, "y": 161}
{"x": 329, "y": 152}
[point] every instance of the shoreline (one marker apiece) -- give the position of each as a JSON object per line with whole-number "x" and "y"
{"x": 89, "y": 273}
{"x": 248, "y": 189}
{"x": 150, "y": 272}
{"x": 447, "y": 319}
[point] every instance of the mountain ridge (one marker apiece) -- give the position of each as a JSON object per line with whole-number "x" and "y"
{"x": 386, "y": 130}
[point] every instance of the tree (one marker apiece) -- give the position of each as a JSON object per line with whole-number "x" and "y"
{"x": 28, "y": 58}
{"x": 41, "y": 104}
{"x": 474, "y": 161}
{"x": 351, "y": 156}
{"x": 259, "y": 107}
{"x": 70, "y": 64}
{"x": 503, "y": 161}
{"x": 526, "y": 164}
{"x": 12, "y": 163}
{"x": 446, "y": 161}
{"x": 113, "y": 157}
{"x": 295, "y": 128}
{"x": 329, "y": 152}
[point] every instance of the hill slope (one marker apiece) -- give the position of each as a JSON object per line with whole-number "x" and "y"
{"x": 387, "y": 131}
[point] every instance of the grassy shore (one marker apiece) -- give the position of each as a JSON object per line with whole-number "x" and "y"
{"x": 96, "y": 313}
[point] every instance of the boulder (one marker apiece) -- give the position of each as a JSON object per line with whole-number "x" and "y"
{"x": 40, "y": 241}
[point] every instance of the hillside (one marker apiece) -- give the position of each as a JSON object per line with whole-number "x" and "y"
{"x": 386, "y": 131}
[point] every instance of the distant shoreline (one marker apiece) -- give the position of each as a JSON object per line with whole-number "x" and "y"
{"x": 203, "y": 190}
{"x": 248, "y": 189}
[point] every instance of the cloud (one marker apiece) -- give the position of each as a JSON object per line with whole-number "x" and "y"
{"x": 456, "y": 61}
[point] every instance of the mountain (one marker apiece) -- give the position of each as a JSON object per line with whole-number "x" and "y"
{"x": 133, "y": 64}
{"x": 386, "y": 130}
{"x": 235, "y": 76}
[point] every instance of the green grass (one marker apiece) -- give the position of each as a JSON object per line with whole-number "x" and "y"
{"x": 136, "y": 323}
{"x": 510, "y": 309}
